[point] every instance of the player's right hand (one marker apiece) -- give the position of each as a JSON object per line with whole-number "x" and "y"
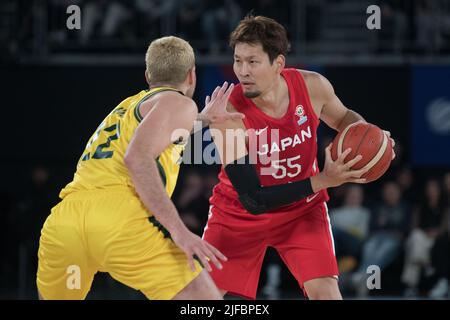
{"x": 194, "y": 246}
{"x": 337, "y": 172}
{"x": 215, "y": 110}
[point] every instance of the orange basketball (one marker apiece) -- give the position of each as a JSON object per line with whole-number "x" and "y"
{"x": 370, "y": 142}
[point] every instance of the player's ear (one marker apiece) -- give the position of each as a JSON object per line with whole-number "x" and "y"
{"x": 192, "y": 76}
{"x": 280, "y": 62}
{"x": 146, "y": 77}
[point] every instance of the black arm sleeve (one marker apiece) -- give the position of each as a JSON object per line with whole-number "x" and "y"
{"x": 257, "y": 199}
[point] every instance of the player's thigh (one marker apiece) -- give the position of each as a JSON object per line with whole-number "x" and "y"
{"x": 245, "y": 252}
{"x": 64, "y": 269}
{"x": 143, "y": 256}
{"x": 201, "y": 288}
{"x": 306, "y": 246}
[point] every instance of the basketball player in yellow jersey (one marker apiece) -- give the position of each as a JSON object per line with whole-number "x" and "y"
{"x": 116, "y": 215}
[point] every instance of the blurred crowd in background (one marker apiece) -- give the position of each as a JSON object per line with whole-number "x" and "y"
{"x": 399, "y": 223}
{"x": 37, "y": 27}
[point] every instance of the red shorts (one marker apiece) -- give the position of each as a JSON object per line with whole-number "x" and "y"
{"x": 304, "y": 243}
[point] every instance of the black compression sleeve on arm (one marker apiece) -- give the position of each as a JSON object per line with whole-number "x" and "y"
{"x": 257, "y": 199}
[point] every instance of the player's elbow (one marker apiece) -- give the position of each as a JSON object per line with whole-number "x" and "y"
{"x": 138, "y": 153}
{"x": 132, "y": 159}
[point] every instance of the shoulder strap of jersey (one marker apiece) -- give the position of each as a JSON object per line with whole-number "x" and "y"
{"x": 151, "y": 93}
{"x": 299, "y": 81}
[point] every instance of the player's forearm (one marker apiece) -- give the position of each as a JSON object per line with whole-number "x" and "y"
{"x": 152, "y": 193}
{"x": 201, "y": 122}
{"x": 204, "y": 119}
{"x": 349, "y": 118}
{"x": 319, "y": 182}
{"x": 258, "y": 199}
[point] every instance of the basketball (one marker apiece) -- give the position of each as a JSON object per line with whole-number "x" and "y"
{"x": 370, "y": 142}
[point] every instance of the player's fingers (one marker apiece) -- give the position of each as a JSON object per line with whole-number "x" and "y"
{"x": 357, "y": 173}
{"x": 214, "y": 94}
{"x": 216, "y": 252}
{"x": 393, "y": 154}
{"x": 392, "y": 142}
{"x": 222, "y": 90}
{"x": 191, "y": 261}
{"x": 207, "y": 100}
{"x": 226, "y": 94}
{"x": 203, "y": 259}
{"x": 212, "y": 257}
{"x": 236, "y": 116}
{"x": 361, "y": 180}
{"x": 352, "y": 162}
{"x": 344, "y": 154}
{"x": 328, "y": 152}
{"x": 224, "y": 86}
{"x": 228, "y": 91}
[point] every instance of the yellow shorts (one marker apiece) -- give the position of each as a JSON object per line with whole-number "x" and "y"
{"x": 108, "y": 231}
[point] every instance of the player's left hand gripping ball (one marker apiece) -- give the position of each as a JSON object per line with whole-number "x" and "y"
{"x": 392, "y": 142}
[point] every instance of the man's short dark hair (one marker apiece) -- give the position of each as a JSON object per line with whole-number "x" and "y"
{"x": 266, "y": 31}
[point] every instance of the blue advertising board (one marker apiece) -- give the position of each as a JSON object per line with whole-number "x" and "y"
{"x": 431, "y": 115}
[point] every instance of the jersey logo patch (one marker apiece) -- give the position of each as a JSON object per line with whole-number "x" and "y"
{"x": 300, "y": 113}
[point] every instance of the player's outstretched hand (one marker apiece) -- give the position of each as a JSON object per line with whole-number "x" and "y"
{"x": 215, "y": 110}
{"x": 194, "y": 246}
{"x": 337, "y": 172}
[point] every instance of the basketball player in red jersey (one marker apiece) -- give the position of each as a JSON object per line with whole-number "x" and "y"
{"x": 282, "y": 202}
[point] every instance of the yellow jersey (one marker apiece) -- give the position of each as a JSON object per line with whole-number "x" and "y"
{"x": 102, "y": 164}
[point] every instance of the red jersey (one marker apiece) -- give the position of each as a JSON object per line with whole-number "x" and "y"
{"x": 290, "y": 143}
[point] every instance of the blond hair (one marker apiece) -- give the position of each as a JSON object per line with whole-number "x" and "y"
{"x": 168, "y": 60}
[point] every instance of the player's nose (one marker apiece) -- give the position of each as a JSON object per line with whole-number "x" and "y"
{"x": 244, "y": 70}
